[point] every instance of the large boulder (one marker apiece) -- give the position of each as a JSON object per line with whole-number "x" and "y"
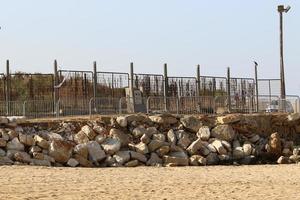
{"x": 81, "y": 138}
{"x": 164, "y": 119}
{"x": 96, "y": 153}
{"x": 229, "y": 119}
{"x": 15, "y": 144}
{"x": 111, "y": 145}
{"x": 154, "y": 160}
{"x": 122, "y": 121}
{"x": 27, "y": 140}
{"x": 171, "y": 137}
{"x": 176, "y": 158}
{"x": 22, "y": 157}
{"x": 139, "y": 131}
{"x": 155, "y": 144}
{"x": 204, "y": 133}
{"x": 191, "y": 123}
{"x": 138, "y": 156}
{"x": 82, "y": 150}
{"x": 141, "y": 148}
{"x": 60, "y": 150}
{"x": 4, "y": 120}
{"x": 219, "y": 147}
{"x": 183, "y": 139}
{"x": 118, "y": 134}
{"x": 194, "y": 147}
{"x": 41, "y": 142}
{"x": 223, "y": 132}
{"x": 122, "y": 157}
{"x": 89, "y": 132}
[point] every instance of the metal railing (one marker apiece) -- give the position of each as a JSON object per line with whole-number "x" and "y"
{"x": 152, "y": 104}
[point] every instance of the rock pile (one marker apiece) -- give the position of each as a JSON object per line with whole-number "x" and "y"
{"x": 140, "y": 140}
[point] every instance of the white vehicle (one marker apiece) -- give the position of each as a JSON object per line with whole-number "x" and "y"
{"x": 275, "y": 105}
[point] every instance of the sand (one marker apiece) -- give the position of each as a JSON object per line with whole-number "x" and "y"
{"x": 214, "y": 182}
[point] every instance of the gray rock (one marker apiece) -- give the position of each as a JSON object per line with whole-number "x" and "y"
{"x": 132, "y": 163}
{"x": 212, "y": 159}
{"x": 248, "y": 160}
{"x": 141, "y": 148}
{"x": 38, "y": 155}
{"x": 159, "y": 136}
{"x": 100, "y": 130}
{"x": 26, "y": 139}
{"x": 122, "y": 137}
{"x": 60, "y": 150}
{"x": 227, "y": 145}
{"x": 145, "y": 139}
{"x": 154, "y": 160}
{"x": 89, "y": 132}
{"x": 204, "y": 133}
{"x": 194, "y": 147}
{"x": 2, "y": 153}
{"x": 111, "y": 145}
{"x": 219, "y": 147}
{"x": 283, "y": 160}
{"x": 81, "y": 138}
{"x": 211, "y": 148}
{"x": 177, "y": 158}
{"x": 15, "y": 145}
{"x": 100, "y": 138}
{"x": 191, "y": 123}
{"x": 247, "y": 148}
{"x": 72, "y": 162}
{"x": 295, "y": 158}
{"x": 183, "y": 139}
{"x": 155, "y": 144}
{"x": 139, "y": 132}
{"x": 138, "y": 156}
{"x": 223, "y": 132}
{"x": 238, "y": 153}
{"x": 34, "y": 149}
{"x": 151, "y": 131}
{"x": 163, "y": 119}
{"x": 254, "y": 138}
{"x": 40, "y": 162}
{"x": 41, "y": 142}
{"x": 22, "y": 157}
{"x": 2, "y": 142}
{"x": 96, "y": 153}
{"x": 5, "y": 161}
{"x": 171, "y": 137}
{"x": 122, "y": 121}
{"x": 163, "y": 150}
{"x": 122, "y": 157}
{"x": 82, "y": 150}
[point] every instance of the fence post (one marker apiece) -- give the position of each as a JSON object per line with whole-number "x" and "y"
{"x": 55, "y": 92}
{"x": 228, "y": 90}
{"x": 132, "y": 87}
{"x": 95, "y": 83}
{"x": 7, "y": 93}
{"x": 256, "y": 87}
{"x": 198, "y": 80}
{"x": 165, "y": 86}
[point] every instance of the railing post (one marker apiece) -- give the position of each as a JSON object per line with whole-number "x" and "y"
{"x": 24, "y": 108}
{"x": 95, "y": 83}
{"x": 228, "y": 90}
{"x": 132, "y": 87}
{"x": 55, "y": 90}
{"x": 198, "y": 80}
{"x": 256, "y": 87}
{"x": 165, "y": 86}
{"x": 7, "y": 93}
{"x": 90, "y": 107}
{"x": 148, "y": 104}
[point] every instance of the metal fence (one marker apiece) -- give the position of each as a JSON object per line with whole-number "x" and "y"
{"x": 269, "y": 87}
{"x": 182, "y": 86}
{"x": 150, "y": 84}
{"x": 212, "y": 86}
{"x": 112, "y": 84}
{"x": 2, "y": 87}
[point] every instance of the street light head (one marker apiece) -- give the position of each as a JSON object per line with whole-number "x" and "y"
{"x": 287, "y": 9}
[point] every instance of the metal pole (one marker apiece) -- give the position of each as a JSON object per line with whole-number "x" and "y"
{"x": 7, "y": 93}
{"x": 132, "y": 87}
{"x": 55, "y": 92}
{"x": 165, "y": 86}
{"x": 281, "y": 55}
{"x": 198, "y": 81}
{"x": 228, "y": 90}
{"x": 95, "y": 79}
{"x": 256, "y": 87}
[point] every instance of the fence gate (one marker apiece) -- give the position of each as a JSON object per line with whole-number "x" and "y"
{"x": 112, "y": 84}
{"x": 182, "y": 86}
{"x": 150, "y": 84}
{"x": 75, "y": 91}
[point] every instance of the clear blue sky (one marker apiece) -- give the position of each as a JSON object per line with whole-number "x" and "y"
{"x": 215, "y": 34}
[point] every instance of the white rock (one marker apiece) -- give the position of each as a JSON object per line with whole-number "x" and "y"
{"x": 95, "y": 151}
{"x": 89, "y": 132}
{"x": 247, "y": 148}
{"x": 122, "y": 121}
{"x": 72, "y": 162}
{"x": 122, "y": 157}
{"x": 219, "y": 147}
{"x": 111, "y": 145}
{"x": 204, "y": 133}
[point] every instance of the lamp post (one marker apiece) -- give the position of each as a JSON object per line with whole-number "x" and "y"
{"x": 281, "y": 9}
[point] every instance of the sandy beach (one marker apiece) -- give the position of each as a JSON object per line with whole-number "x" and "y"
{"x": 226, "y": 182}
